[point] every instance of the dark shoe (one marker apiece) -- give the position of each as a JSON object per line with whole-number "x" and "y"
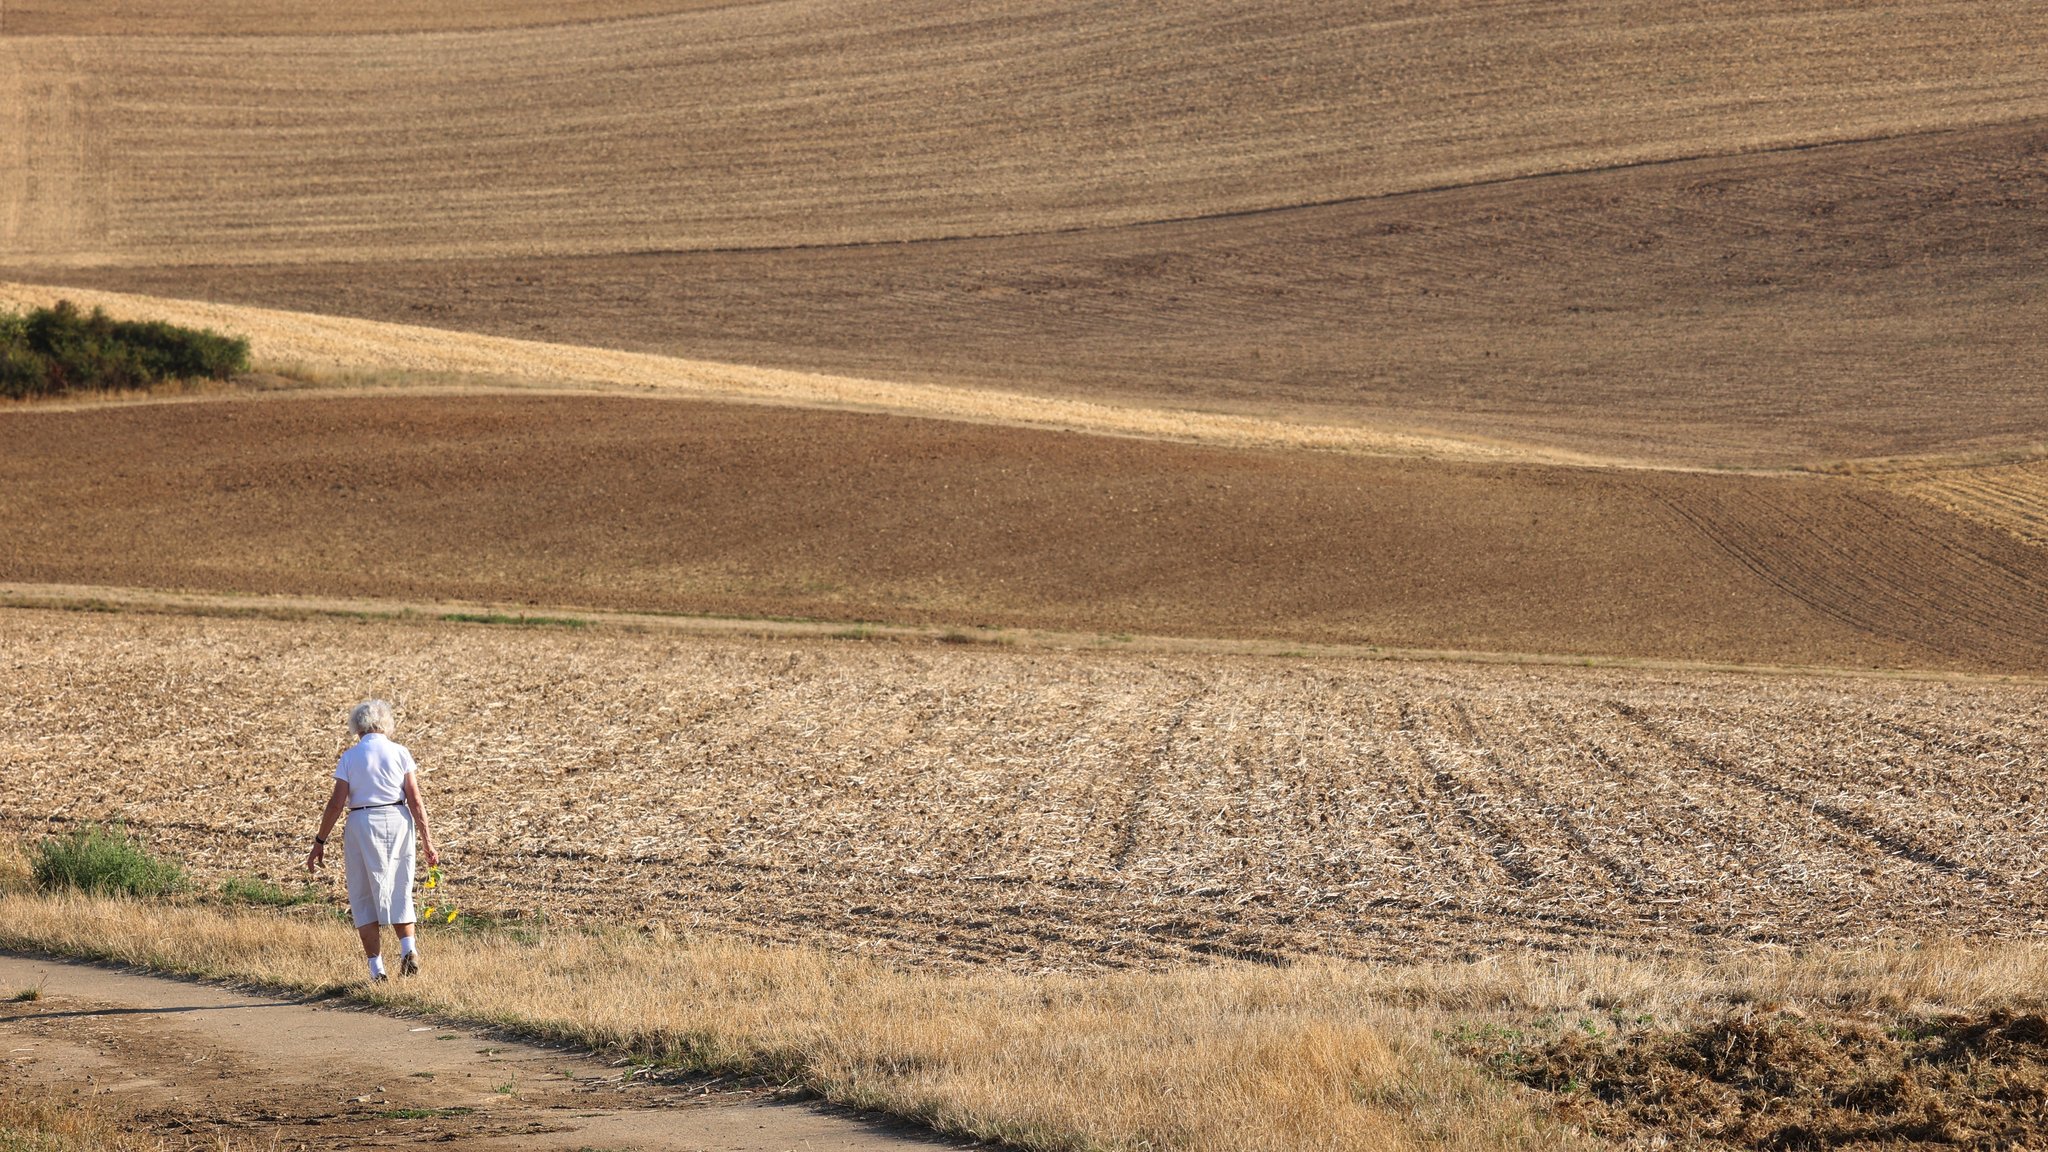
{"x": 408, "y": 965}
{"x": 379, "y": 978}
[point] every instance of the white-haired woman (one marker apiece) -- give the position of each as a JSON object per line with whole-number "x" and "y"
{"x": 378, "y": 783}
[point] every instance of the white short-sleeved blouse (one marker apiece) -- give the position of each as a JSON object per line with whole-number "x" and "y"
{"x": 375, "y": 771}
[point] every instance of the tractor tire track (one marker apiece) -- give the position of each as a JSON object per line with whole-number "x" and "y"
{"x": 1850, "y": 823}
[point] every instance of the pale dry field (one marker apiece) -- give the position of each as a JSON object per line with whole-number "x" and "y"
{"x": 950, "y": 807}
{"x": 797, "y": 123}
{"x": 2010, "y": 497}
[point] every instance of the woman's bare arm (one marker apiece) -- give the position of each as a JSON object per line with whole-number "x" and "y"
{"x": 417, "y": 804}
{"x": 336, "y": 801}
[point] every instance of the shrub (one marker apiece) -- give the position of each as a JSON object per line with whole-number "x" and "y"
{"x": 60, "y": 349}
{"x": 22, "y": 372}
{"x": 103, "y": 861}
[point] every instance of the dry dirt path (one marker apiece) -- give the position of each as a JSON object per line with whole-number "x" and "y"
{"x": 191, "y": 1060}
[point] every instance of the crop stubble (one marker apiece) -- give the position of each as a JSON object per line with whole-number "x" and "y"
{"x": 2010, "y": 497}
{"x": 953, "y": 806}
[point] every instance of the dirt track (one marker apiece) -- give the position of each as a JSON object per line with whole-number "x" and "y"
{"x": 947, "y": 806}
{"x": 188, "y": 1062}
{"x": 684, "y": 506}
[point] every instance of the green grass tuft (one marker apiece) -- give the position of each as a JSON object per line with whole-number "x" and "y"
{"x": 103, "y": 861}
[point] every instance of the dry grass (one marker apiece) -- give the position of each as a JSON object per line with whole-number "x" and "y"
{"x": 34, "y": 1123}
{"x": 805, "y": 123}
{"x": 1216, "y": 1060}
{"x": 1316, "y": 1056}
{"x": 14, "y": 867}
{"x": 31, "y": 1121}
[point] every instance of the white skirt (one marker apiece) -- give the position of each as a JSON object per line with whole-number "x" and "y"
{"x": 378, "y": 846}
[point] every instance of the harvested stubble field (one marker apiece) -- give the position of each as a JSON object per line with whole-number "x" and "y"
{"x": 948, "y": 806}
{"x": 2010, "y": 497}
{"x": 683, "y": 506}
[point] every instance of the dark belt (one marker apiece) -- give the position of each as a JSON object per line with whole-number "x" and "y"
{"x": 367, "y": 807}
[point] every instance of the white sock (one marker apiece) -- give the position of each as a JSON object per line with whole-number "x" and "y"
{"x": 405, "y": 947}
{"x": 376, "y": 967}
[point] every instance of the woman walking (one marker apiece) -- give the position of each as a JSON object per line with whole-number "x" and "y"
{"x": 377, "y": 781}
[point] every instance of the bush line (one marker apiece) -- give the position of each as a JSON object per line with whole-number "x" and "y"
{"x": 51, "y": 351}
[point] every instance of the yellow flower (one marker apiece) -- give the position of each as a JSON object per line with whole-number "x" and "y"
{"x": 452, "y": 914}
{"x": 430, "y": 911}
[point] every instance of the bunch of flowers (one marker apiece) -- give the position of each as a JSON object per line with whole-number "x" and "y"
{"x": 435, "y": 914}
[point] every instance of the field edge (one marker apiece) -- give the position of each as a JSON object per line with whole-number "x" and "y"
{"x": 93, "y": 598}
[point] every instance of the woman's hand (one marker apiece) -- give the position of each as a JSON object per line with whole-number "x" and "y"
{"x": 432, "y": 856}
{"x": 314, "y": 857}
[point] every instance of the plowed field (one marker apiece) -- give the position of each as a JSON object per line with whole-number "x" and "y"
{"x": 951, "y": 806}
{"x": 802, "y": 123}
{"x": 1867, "y": 299}
{"x": 288, "y": 18}
{"x": 685, "y": 506}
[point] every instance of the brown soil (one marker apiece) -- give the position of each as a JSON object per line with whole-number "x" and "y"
{"x": 950, "y": 806}
{"x": 287, "y": 18}
{"x": 703, "y": 508}
{"x": 1788, "y": 1080}
{"x": 203, "y": 1067}
{"x": 1865, "y": 299}
{"x": 809, "y": 123}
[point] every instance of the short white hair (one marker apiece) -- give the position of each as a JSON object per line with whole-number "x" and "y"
{"x": 370, "y": 716}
